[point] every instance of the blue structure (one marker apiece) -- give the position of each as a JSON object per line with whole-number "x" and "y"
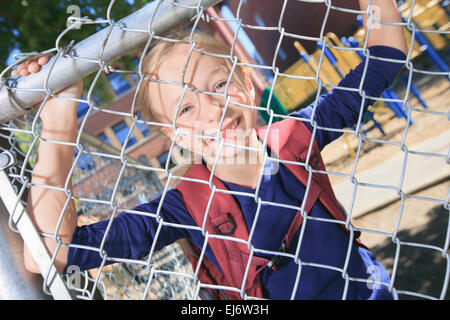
{"x": 388, "y": 93}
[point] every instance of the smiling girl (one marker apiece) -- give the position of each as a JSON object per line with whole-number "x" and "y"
{"x": 265, "y": 233}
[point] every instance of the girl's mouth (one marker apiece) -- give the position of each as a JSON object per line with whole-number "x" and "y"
{"x": 228, "y": 131}
{"x": 231, "y": 129}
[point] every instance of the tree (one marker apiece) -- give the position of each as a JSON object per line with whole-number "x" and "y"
{"x": 34, "y": 25}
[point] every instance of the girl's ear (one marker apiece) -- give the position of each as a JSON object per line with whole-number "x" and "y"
{"x": 165, "y": 131}
{"x": 168, "y": 132}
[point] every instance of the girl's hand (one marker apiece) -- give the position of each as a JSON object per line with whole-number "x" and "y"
{"x": 31, "y": 66}
{"x": 55, "y": 110}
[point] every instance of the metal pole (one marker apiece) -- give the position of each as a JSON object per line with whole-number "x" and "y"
{"x": 17, "y": 95}
{"x": 30, "y": 235}
{"x": 16, "y": 283}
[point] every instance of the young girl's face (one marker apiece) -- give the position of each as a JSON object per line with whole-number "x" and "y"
{"x": 200, "y": 113}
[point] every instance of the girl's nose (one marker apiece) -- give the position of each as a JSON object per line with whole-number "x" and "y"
{"x": 211, "y": 111}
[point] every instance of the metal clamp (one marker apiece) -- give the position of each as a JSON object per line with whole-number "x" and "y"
{"x": 274, "y": 262}
{"x": 6, "y": 160}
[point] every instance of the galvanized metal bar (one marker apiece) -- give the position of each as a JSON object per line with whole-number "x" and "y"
{"x": 31, "y": 238}
{"x": 17, "y": 95}
{"x": 16, "y": 282}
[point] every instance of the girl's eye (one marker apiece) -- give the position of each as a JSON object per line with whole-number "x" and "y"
{"x": 185, "y": 109}
{"x": 221, "y": 85}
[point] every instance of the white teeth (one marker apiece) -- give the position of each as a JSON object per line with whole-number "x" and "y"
{"x": 234, "y": 125}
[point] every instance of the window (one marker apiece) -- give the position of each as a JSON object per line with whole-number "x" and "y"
{"x": 118, "y": 83}
{"x": 141, "y": 126}
{"x": 121, "y": 130}
{"x": 82, "y": 109}
{"x": 136, "y": 76}
{"x": 86, "y": 162}
{"x": 104, "y": 138}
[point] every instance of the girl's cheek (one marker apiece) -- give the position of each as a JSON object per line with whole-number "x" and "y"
{"x": 237, "y": 94}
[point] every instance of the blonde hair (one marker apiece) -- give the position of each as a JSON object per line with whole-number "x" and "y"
{"x": 162, "y": 47}
{"x": 160, "y": 50}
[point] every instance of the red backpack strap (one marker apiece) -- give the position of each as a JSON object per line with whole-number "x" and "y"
{"x": 311, "y": 198}
{"x": 293, "y": 143}
{"x": 208, "y": 273}
{"x": 226, "y": 220}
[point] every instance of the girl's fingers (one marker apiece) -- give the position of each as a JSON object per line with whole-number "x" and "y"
{"x": 24, "y": 72}
{"x": 21, "y": 69}
{"x": 43, "y": 60}
{"x": 21, "y": 66}
{"x": 33, "y": 67}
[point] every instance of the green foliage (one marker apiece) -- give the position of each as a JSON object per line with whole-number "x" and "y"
{"x": 34, "y": 25}
{"x": 24, "y": 141}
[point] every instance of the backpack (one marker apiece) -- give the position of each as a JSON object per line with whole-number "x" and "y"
{"x": 227, "y": 233}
